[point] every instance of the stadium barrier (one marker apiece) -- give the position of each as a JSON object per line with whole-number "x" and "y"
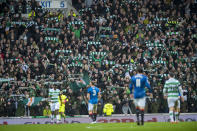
{"x": 85, "y": 119}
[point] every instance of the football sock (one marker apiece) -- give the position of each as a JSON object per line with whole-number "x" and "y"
{"x": 64, "y": 116}
{"x": 171, "y": 116}
{"x": 57, "y": 117}
{"x": 176, "y": 116}
{"x": 142, "y": 117}
{"x": 137, "y": 114}
{"x": 91, "y": 116}
{"x": 52, "y": 116}
{"x": 94, "y": 116}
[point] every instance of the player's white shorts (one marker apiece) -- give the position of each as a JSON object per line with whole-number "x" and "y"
{"x": 140, "y": 102}
{"x": 54, "y": 106}
{"x": 172, "y": 101}
{"x": 92, "y": 107}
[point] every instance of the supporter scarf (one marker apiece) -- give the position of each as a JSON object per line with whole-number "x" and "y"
{"x": 53, "y": 19}
{"x": 160, "y": 19}
{"x": 109, "y": 36}
{"x": 26, "y": 24}
{"x": 76, "y": 23}
{"x": 107, "y": 62}
{"x": 74, "y": 65}
{"x": 63, "y": 51}
{"x": 6, "y": 79}
{"x": 98, "y": 53}
{"x": 93, "y": 43}
{"x": 104, "y": 28}
{"x": 172, "y": 33}
{"x": 51, "y": 38}
{"x": 52, "y": 29}
{"x": 153, "y": 25}
{"x": 158, "y": 62}
{"x": 154, "y": 44}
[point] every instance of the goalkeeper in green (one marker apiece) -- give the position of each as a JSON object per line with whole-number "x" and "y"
{"x": 173, "y": 93}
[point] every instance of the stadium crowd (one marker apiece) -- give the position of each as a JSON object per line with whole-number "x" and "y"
{"x": 105, "y": 42}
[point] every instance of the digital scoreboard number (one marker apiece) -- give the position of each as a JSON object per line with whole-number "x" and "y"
{"x": 53, "y": 4}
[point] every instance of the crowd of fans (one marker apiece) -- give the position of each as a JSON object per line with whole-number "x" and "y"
{"x": 106, "y": 41}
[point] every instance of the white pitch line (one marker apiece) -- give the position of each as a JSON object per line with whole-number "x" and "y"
{"x": 100, "y": 127}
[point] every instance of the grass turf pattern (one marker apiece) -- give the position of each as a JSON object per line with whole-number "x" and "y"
{"x": 150, "y": 126}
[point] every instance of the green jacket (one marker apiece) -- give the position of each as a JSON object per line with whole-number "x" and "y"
{"x": 77, "y": 32}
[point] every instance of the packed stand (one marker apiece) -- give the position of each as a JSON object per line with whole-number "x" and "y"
{"x": 105, "y": 42}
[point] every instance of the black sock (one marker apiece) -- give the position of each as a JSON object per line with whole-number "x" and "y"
{"x": 94, "y": 116}
{"x": 91, "y": 116}
{"x": 137, "y": 114}
{"x": 142, "y": 117}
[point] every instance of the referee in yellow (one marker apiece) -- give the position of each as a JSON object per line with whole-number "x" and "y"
{"x": 62, "y": 100}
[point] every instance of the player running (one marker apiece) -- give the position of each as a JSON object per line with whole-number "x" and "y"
{"x": 62, "y": 100}
{"x": 93, "y": 94}
{"x": 54, "y": 102}
{"x": 139, "y": 82}
{"x": 173, "y": 92}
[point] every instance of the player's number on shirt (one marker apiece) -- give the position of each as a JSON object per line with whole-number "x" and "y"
{"x": 138, "y": 83}
{"x": 173, "y": 89}
{"x": 94, "y": 92}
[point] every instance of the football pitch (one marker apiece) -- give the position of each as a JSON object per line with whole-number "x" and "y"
{"x": 151, "y": 126}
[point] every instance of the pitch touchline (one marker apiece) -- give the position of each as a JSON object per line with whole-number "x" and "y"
{"x": 108, "y": 127}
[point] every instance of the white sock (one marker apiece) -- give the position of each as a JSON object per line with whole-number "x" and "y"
{"x": 58, "y": 117}
{"x": 171, "y": 116}
{"x": 52, "y": 116}
{"x": 176, "y": 116}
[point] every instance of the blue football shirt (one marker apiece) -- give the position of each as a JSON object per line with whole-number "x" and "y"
{"x": 93, "y": 91}
{"x": 139, "y": 82}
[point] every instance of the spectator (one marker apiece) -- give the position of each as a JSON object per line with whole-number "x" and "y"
{"x": 50, "y": 47}
{"x": 108, "y": 109}
{"x": 47, "y": 111}
{"x": 99, "y": 108}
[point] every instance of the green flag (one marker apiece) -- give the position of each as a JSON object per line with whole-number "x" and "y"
{"x": 84, "y": 81}
{"x": 86, "y": 78}
{"x": 32, "y": 101}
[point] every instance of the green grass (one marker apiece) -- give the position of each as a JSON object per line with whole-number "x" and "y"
{"x": 156, "y": 126}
